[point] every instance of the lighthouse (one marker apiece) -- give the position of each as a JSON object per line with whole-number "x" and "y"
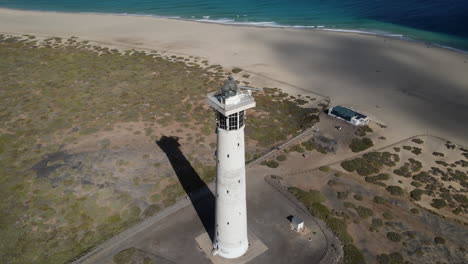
{"x": 230, "y": 230}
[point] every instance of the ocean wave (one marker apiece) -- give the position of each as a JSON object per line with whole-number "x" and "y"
{"x": 384, "y": 34}
{"x": 272, "y": 24}
{"x": 226, "y": 21}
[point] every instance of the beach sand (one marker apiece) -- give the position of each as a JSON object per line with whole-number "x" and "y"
{"x": 411, "y": 87}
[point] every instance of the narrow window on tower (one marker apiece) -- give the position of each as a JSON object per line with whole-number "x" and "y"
{"x": 221, "y": 121}
{"x": 241, "y": 119}
{"x": 233, "y": 121}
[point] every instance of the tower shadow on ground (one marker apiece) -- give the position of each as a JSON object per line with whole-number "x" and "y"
{"x": 196, "y": 189}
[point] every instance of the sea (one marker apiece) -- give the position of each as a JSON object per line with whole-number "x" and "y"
{"x": 435, "y": 22}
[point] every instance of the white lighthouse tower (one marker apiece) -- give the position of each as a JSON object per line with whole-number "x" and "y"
{"x": 230, "y": 232}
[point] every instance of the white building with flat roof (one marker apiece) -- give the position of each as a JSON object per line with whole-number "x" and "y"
{"x": 348, "y": 115}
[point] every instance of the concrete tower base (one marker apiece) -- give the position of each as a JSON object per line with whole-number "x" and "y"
{"x": 256, "y": 248}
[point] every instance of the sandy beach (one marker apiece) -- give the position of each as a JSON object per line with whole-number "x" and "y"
{"x": 410, "y": 87}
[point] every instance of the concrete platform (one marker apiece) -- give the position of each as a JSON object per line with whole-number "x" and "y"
{"x": 181, "y": 236}
{"x": 256, "y": 248}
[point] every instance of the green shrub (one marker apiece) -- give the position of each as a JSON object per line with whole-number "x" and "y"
{"x": 358, "y": 145}
{"x": 281, "y": 157}
{"x": 376, "y": 179}
{"x": 438, "y": 203}
{"x": 387, "y": 215}
{"x": 151, "y": 210}
{"x": 362, "y": 166}
{"x": 364, "y": 212}
{"x": 414, "y": 211}
{"x": 417, "y": 141}
{"x": 362, "y": 130}
{"x": 378, "y": 159}
{"x": 371, "y": 163}
{"x": 342, "y": 195}
{"x": 460, "y": 198}
{"x": 308, "y": 145}
{"x": 380, "y": 200}
{"x": 125, "y": 256}
{"x": 147, "y": 260}
{"x": 392, "y": 258}
{"x": 236, "y": 70}
{"x": 403, "y": 171}
{"x": 319, "y": 210}
{"x": 297, "y": 148}
{"x": 270, "y": 163}
{"x": 352, "y": 255}
{"x": 324, "y": 168}
{"x": 439, "y": 240}
{"x": 394, "y": 190}
{"x": 338, "y": 227}
{"x": 332, "y": 183}
{"x": 394, "y": 237}
{"x": 300, "y": 101}
{"x": 441, "y": 162}
{"x": 307, "y": 198}
{"x": 416, "y": 194}
{"x": 416, "y": 151}
{"x": 424, "y": 177}
{"x": 376, "y": 224}
{"x": 357, "y": 197}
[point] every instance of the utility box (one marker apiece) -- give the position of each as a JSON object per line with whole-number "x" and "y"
{"x": 297, "y": 224}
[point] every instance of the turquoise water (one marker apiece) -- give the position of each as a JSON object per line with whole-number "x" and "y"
{"x": 438, "y": 22}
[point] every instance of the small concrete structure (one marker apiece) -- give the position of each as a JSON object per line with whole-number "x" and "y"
{"x": 348, "y": 115}
{"x": 230, "y": 236}
{"x": 297, "y": 224}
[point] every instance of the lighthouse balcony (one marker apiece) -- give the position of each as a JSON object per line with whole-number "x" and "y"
{"x": 240, "y": 102}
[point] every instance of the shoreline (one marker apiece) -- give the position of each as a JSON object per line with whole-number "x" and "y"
{"x": 265, "y": 24}
{"x": 412, "y": 87}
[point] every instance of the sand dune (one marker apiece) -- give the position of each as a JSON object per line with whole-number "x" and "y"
{"x": 413, "y": 88}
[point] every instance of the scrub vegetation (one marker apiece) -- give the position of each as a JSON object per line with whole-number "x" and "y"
{"x": 65, "y": 183}
{"x": 313, "y": 201}
{"x": 398, "y": 205}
